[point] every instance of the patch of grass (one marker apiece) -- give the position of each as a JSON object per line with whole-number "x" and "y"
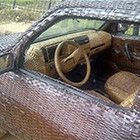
{"x": 130, "y": 30}
{"x": 26, "y": 2}
{"x": 31, "y": 9}
{"x": 32, "y": 5}
{"x": 18, "y": 1}
{"x": 18, "y": 15}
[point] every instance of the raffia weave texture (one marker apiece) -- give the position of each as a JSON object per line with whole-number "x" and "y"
{"x": 122, "y": 88}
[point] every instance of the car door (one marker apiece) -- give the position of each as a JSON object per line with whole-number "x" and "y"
{"x": 125, "y": 49}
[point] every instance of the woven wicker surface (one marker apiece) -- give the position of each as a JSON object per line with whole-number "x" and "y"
{"x": 129, "y": 101}
{"x": 9, "y": 137}
{"x": 46, "y": 111}
{"x": 34, "y": 58}
{"x": 121, "y": 85}
{"x": 8, "y": 40}
{"x": 35, "y": 110}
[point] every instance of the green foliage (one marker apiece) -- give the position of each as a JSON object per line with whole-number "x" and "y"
{"x": 33, "y": 5}
{"x": 130, "y": 30}
{"x": 31, "y": 9}
{"x": 22, "y": 2}
{"x": 25, "y": 2}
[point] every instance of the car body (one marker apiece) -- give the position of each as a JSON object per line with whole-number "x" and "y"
{"x": 36, "y": 104}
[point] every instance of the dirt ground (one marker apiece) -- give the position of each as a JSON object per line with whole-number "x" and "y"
{"x": 14, "y": 21}
{"x": 13, "y": 27}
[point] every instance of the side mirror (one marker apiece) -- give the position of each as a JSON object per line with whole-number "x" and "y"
{"x": 6, "y": 63}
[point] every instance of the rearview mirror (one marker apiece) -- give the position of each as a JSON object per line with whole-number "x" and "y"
{"x": 122, "y": 27}
{"x": 6, "y": 62}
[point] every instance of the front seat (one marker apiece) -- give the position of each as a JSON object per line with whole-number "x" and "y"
{"x": 122, "y": 88}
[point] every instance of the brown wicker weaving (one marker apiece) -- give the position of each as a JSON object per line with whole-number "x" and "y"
{"x": 122, "y": 88}
{"x": 34, "y": 107}
{"x": 129, "y": 101}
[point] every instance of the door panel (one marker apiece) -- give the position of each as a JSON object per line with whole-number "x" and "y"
{"x": 125, "y": 52}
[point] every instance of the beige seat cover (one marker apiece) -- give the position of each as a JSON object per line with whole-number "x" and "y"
{"x": 9, "y": 137}
{"x": 122, "y": 88}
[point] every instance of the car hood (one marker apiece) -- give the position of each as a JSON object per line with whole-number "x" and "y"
{"x": 8, "y": 40}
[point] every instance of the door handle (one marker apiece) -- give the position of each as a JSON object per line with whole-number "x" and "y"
{"x": 128, "y": 53}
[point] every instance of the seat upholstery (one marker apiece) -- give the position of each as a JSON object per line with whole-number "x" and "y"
{"x": 2, "y": 134}
{"x": 9, "y": 137}
{"x": 128, "y": 102}
{"x": 122, "y": 88}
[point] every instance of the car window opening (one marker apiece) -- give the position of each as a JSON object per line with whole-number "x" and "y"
{"x": 81, "y": 53}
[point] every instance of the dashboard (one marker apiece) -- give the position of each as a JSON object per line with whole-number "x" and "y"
{"x": 40, "y": 55}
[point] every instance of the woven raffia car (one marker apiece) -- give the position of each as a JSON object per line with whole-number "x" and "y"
{"x": 74, "y": 74}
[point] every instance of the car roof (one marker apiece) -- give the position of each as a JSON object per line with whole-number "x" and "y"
{"x": 118, "y": 10}
{"x": 110, "y": 10}
{"x": 8, "y": 40}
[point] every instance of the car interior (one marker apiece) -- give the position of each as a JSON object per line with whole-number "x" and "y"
{"x": 99, "y": 57}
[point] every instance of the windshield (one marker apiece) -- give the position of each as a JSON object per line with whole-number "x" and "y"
{"x": 68, "y": 26}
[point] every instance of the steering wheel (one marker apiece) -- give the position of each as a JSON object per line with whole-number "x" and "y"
{"x": 71, "y": 61}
